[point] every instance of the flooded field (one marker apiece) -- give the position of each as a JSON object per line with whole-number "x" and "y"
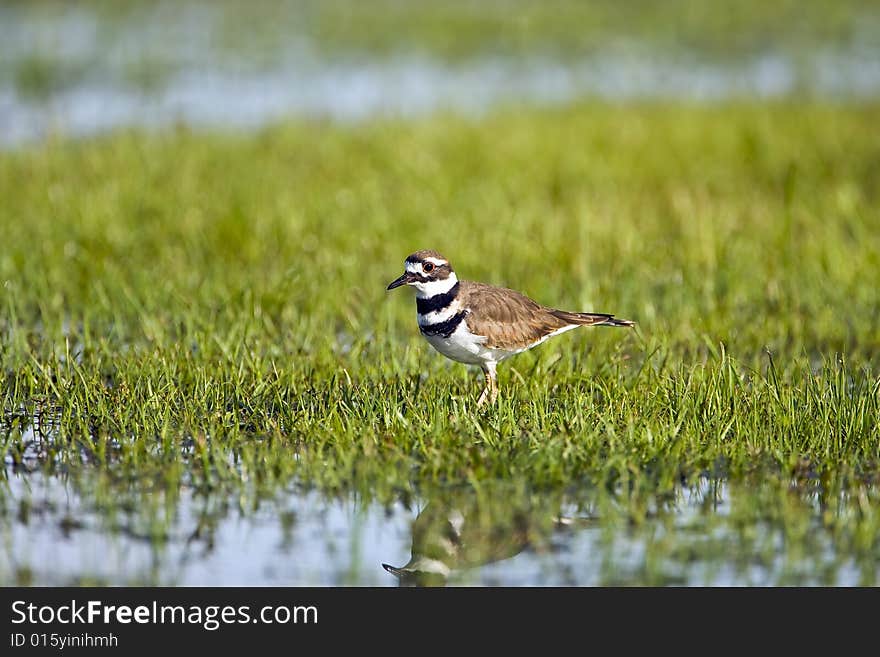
{"x": 500, "y": 535}
{"x": 78, "y": 71}
{"x": 204, "y": 382}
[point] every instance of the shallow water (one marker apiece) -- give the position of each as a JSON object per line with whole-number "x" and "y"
{"x": 72, "y": 523}
{"x": 54, "y": 533}
{"x": 70, "y": 73}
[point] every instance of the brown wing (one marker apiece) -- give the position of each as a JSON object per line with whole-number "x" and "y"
{"x": 508, "y": 319}
{"x": 591, "y": 319}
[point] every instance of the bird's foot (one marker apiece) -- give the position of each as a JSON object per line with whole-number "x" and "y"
{"x": 489, "y": 394}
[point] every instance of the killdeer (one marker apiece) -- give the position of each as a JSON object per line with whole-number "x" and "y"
{"x": 481, "y": 324}
{"x": 449, "y": 539}
{"x": 464, "y": 531}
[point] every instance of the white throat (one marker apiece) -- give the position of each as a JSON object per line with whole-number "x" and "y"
{"x": 432, "y": 288}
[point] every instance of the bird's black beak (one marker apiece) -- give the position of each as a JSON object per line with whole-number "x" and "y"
{"x": 397, "y": 572}
{"x": 403, "y": 279}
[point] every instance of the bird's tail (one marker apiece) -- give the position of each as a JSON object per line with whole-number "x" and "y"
{"x": 591, "y": 319}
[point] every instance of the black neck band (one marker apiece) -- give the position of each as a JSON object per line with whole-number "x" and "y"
{"x": 446, "y": 328}
{"x": 437, "y": 302}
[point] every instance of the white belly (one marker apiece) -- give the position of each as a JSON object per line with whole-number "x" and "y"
{"x": 465, "y": 347}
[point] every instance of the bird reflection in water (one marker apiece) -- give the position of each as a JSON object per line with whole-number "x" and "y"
{"x": 473, "y": 530}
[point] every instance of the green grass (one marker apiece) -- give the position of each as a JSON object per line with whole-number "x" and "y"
{"x": 209, "y": 311}
{"x": 455, "y": 29}
{"x": 137, "y": 44}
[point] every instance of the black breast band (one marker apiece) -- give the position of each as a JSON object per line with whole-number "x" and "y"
{"x": 446, "y": 328}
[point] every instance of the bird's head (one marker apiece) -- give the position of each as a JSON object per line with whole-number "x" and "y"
{"x": 427, "y": 271}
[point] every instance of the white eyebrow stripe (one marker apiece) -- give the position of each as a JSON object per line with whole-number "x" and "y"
{"x": 437, "y": 261}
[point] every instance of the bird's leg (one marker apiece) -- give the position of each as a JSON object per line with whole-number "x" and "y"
{"x": 490, "y": 392}
{"x": 493, "y": 383}
{"x": 485, "y": 394}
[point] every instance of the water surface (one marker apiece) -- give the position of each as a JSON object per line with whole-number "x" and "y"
{"x": 59, "y": 531}
{"x": 73, "y": 73}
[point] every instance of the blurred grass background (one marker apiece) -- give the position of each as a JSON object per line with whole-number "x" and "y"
{"x": 752, "y": 225}
{"x": 53, "y": 45}
{"x": 457, "y": 28}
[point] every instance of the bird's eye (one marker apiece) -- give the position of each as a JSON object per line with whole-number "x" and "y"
{"x": 428, "y": 267}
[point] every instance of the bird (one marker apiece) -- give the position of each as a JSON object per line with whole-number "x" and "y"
{"x": 464, "y": 531}
{"x": 449, "y": 539}
{"x": 480, "y": 324}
